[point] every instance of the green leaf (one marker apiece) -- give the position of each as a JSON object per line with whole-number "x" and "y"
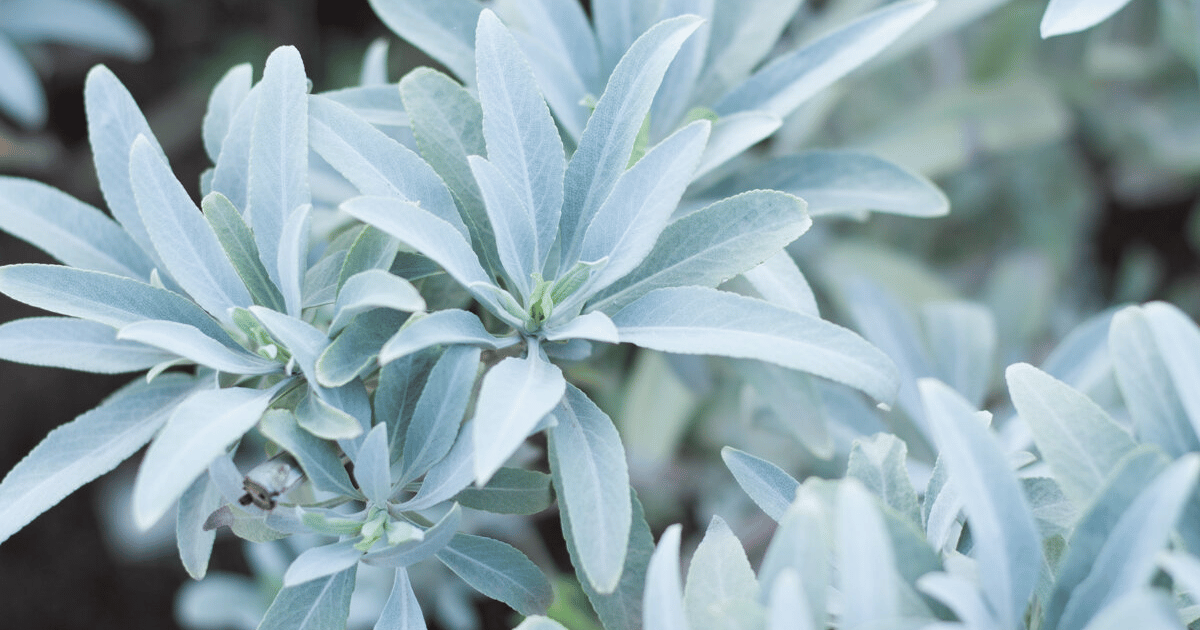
{"x": 318, "y": 458}
{"x": 238, "y": 242}
{"x": 499, "y": 571}
{"x": 322, "y": 604}
{"x": 510, "y": 491}
{"x": 194, "y": 541}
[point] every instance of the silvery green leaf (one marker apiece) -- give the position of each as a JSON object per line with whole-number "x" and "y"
{"x": 75, "y": 344}
{"x": 592, "y": 478}
{"x": 189, "y": 342}
{"x": 71, "y": 231}
{"x": 674, "y": 97}
{"x": 199, "y": 430}
{"x": 626, "y": 226}
{"x": 866, "y": 562}
{"x": 843, "y": 182}
{"x": 372, "y": 466}
{"x": 499, "y": 571}
{"x": 1007, "y": 544}
{"x": 449, "y": 476}
{"x": 376, "y": 164}
{"x": 1178, "y": 340}
{"x": 879, "y": 462}
{"x": 402, "y": 610}
{"x": 319, "y": 459}
{"x": 22, "y": 98}
{"x": 779, "y": 281}
{"x": 374, "y": 288}
{"x": 961, "y": 337}
{"x": 223, "y": 103}
{"x": 114, "y": 121}
{"x": 355, "y": 351}
{"x": 1144, "y": 607}
{"x": 1147, "y": 383}
{"x": 322, "y": 604}
{"x": 93, "y": 24}
{"x": 662, "y": 607}
{"x": 699, "y": 320}
{"x": 712, "y": 245}
{"x": 1079, "y": 441}
{"x": 447, "y": 326}
{"x": 292, "y": 257}
{"x": 743, "y": 33}
{"x": 721, "y": 590}
{"x": 379, "y": 105}
{"x": 787, "y": 607}
{"x": 510, "y": 491}
{"x": 960, "y": 595}
{"x": 278, "y": 169}
{"x": 607, "y": 141}
{"x": 561, "y": 47}
{"x": 594, "y": 325}
{"x": 436, "y": 537}
{"x": 371, "y": 249}
{"x": 318, "y": 562}
{"x": 513, "y": 226}
{"x": 804, "y": 543}
{"x": 195, "y": 543}
{"x": 87, "y": 447}
{"x": 184, "y": 241}
{"x": 1054, "y": 513}
{"x": 783, "y": 84}
{"x": 374, "y": 66}
{"x": 732, "y": 135}
{"x": 442, "y": 29}
{"x": 768, "y": 485}
{"x": 516, "y": 394}
{"x": 325, "y": 419}
{"x": 522, "y": 141}
{"x": 397, "y": 391}
{"x": 1128, "y": 558}
{"x": 100, "y": 297}
{"x": 1071, "y": 16}
{"x": 231, "y": 173}
{"x": 439, "y": 411}
{"x": 238, "y": 242}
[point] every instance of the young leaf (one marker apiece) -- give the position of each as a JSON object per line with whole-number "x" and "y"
{"x": 183, "y": 340}
{"x": 663, "y": 608}
{"x": 87, "y": 447}
{"x": 318, "y": 458}
{"x": 513, "y": 223}
{"x": 75, "y": 344}
{"x": 499, "y": 571}
{"x": 194, "y": 541}
{"x": 591, "y": 477}
{"x": 318, "y": 562}
{"x": 516, "y": 394}
{"x": 721, "y": 590}
{"x": 292, "y": 257}
{"x": 1071, "y": 16}
{"x": 879, "y": 462}
{"x": 238, "y": 242}
{"x": 322, "y": 604}
{"x": 439, "y": 410}
{"x": 223, "y": 103}
{"x": 372, "y": 466}
{"x": 402, "y": 610}
{"x": 442, "y": 29}
{"x": 435, "y": 539}
{"x": 772, "y": 489}
{"x": 698, "y": 320}
{"x": 447, "y": 326}
{"x": 538, "y": 622}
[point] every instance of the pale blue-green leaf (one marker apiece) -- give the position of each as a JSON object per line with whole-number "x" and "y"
{"x": 75, "y": 344}
{"x": 435, "y": 539}
{"x": 185, "y": 242}
{"x": 374, "y": 288}
{"x": 376, "y": 164}
{"x": 879, "y": 462}
{"x": 499, "y": 571}
{"x": 303, "y": 340}
{"x": 100, "y": 297}
{"x": 374, "y": 66}
{"x": 591, "y": 477}
{"x": 779, "y": 281}
{"x": 516, "y": 394}
{"x": 371, "y": 249}
{"x": 319, "y": 459}
{"x": 1071, "y": 16}
{"x": 594, "y": 325}
{"x": 961, "y": 337}
{"x": 92, "y": 24}
{"x": 1128, "y": 558}
{"x": 712, "y": 245}
{"x": 561, "y": 47}
{"x": 788, "y": 401}
{"x": 626, "y": 226}
{"x": 278, "y": 159}
{"x": 721, "y": 591}
{"x": 1144, "y": 608}
{"x": 196, "y": 543}
{"x": 1081, "y": 358}
{"x": 449, "y": 476}
{"x": 1146, "y": 384}
{"x": 22, "y": 96}
{"x": 399, "y": 385}
{"x": 292, "y": 257}
{"x": 510, "y": 491}
{"x": 355, "y": 352}
{"x": 699, "y": 320}
{"x": 787, "y": 607}
{"x": 402, "y": 611}
{"x": 447, "y": 326}
{"x": 743, "y": 33}
{"x": 189, "y": 342}
{"x": 379, "y": 105}
{"x": 866, "y": 562}
{"x": 1079, "y": 441}
{"x": 513, "y": 226}
{"x": 318, "y": 562}
{"x": 223, "y": 103}
{"x": 771, "y": 488}
{"x": 804, "y": 543}
{"x": 617, "y": 24}
{"x": 960, "y": 595}
{"x": 1007, "y": 544}
{"x": 842, "y": 182}
{"x": 782, "y": 85}
{"x": 732, "y": 135}
{"x": 662, "y": 608}
{"x": 231, "y": 173}
{"x": 1178, "y": 340}
{"x": 71, "y": 231}
{"x": 87, "y": 447}
{"x": 439, "y": 411}
{"x": 322, "y": 604}
{"x": 607, "y": 141}
{"x": 372, "y": 466}
{"x": 199, "y": 430}
{"x": 522, "y": 141}
{"x": 114, "y": 120}
{"x": 237, "y": 240}
{"x": 325, "y": 419}
{"x": 674, "y": 97}
{"x": 442, "y": 29}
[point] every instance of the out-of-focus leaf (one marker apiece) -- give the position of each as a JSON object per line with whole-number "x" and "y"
{"x": 663, "y": 607}
{"x": 866, "y": 562}
{"x": 322, "y": 604}
{"x": 1071, "y": 16}
{"x": 879, "y": 462}
{"x": 444, "y": 30}
{"x": 721, "y": 590}
{"x": 226, "y": 96}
